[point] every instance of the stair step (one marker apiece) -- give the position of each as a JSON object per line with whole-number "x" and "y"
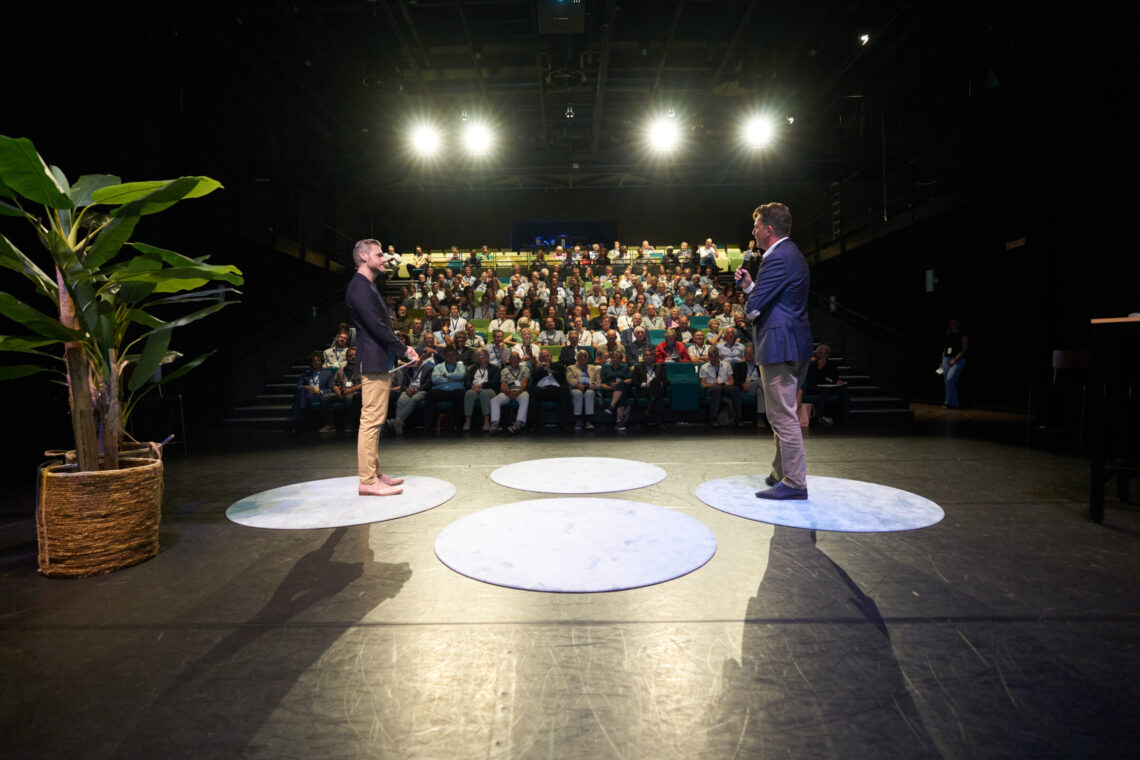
{"x": 867, "y": 416}
{"x": 878, "y": 402}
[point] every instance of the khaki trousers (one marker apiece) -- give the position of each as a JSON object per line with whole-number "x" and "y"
{"x": 375, "y": 387}
{"x": 781, "y": 381}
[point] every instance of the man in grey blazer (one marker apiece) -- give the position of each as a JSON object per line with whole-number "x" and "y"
{"x": 777, "y": 306}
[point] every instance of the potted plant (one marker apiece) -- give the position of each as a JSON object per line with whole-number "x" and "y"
{"x": 113, "y": 305}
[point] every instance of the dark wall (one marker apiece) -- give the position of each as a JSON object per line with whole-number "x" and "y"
{"x": 1017, "y": 305}
{"x": 663, "y": 215}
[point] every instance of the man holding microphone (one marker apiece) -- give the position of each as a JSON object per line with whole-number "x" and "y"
{"x": 777, "y": 307}
{"x": 377, "y": 349}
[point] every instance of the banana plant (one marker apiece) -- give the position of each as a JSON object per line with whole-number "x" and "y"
{"x": 113, "y": 301}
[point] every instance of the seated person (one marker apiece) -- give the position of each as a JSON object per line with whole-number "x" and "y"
{"x": 336, "y": 355}
{"x": 754, "y": 384}
{"x": 833, "y": 400}
{"x": 311, "y": 389}
{"x": 549, "y": 384}
{"x": 652, "y": 321}
{"x": 446, "y": 385}
{"x": 584, "y": 380}
{"x": 401, "y": 322}
{"x": 649, "y": 381}
{"x": 731, "y": 350}
{"x": 482, "y": 383}
{"x": 463, "y": 352}
{"x": 569, "y": 352}
{"x": 473, "y": 339}
{"x": 672, "y": 350}
{"x": 527, "y": 349}
{"x": 502, "y": 322}
{"x": 550, "y": 335}
{"x": 414, "y": 381}
{"x": 513, "y": 387}
{"x": 716, "y": 379}
{"x": 454, "y": 322}
{"x": 617, "y": 383}
{"x": 499, "y": 350}
{"x": 698, "y": 351}
{"x": 638, "y": 343}
{"x": 346, "y": 386}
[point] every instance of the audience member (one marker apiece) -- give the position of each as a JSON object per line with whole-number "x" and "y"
{"x": 716, "y": 379}
{"x": 584, "y": 380}
{"x": 513, "y": 387}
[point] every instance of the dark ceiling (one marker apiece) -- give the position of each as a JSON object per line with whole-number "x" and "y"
{"x": 321, "y": 95}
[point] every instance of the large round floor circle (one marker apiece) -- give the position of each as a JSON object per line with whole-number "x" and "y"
{"x": 575, "y": 545}
{"x": 836, "y": 504}
{"x": 578, "y": 475}
{"x": 334, "y": 503}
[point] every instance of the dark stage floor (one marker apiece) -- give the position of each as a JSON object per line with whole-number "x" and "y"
{"x": 1011, "y": 629}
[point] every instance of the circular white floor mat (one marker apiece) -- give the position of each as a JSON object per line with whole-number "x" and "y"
{"x": 578, "y": 475}
{"x": 334, "y": 503}
{"x": 837, "y": 504}
{"x": 575, "y": 545}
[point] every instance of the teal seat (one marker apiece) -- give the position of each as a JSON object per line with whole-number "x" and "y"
{"x": 655, "y": 336}
{"x": 700, "y": 322}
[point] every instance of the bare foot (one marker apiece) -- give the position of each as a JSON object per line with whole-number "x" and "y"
{"x": 378, "y": 489}
{"x": 389, "y": 481}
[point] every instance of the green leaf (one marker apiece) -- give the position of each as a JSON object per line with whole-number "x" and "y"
{"x": 152, "y": 355}
{"x": 7, "y": 209}
{"x": 133, "y": 292}
{"x": 172, "y": 258}
{"x": 142, "y": 198}
{"x": 83, "y": 188}
{"x": 140, "y": 317}
{"x": 19, "y": 345}
{"x": 192, "y": 317}
{"x": 14, "y": 309}
{"x": 109, "y": 241}
{"x": 14, "y": 371}
{"x": 174, "y": 279}
{"x": 185, "y": 368}
{"x": 22, "y": 169}
{"x": 214, "y": 294}
{"x": 12, "y": 258}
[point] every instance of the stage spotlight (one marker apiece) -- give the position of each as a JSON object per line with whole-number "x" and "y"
{"x": 664, "y": 135}
{"x": 758, "y": 132}
{"x": 425, "y": 140}
{"x": 478, "y": 139}
{"x": 864, "y": 39}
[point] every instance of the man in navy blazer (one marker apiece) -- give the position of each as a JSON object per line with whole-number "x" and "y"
{"x": 777, "y": 306}
{"x": 377, "y": 349}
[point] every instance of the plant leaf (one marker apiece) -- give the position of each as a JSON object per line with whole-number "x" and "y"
{"x": 152, "y": 355}
{"x": 7, "y": 209}
{"x": 182, "y": 370}
{"x": 87, "y": 184}
{"x": 110, "y": 240}
{"x": 12, "y": 258}
{"x": 14, "y": 371}
{"x": 40, "y": 324}
{"x": 174, "y": 279}
{"x": 142, "y": 198}
{"x": 20, "y": 345}
{"x": 140, "y": 317}
{"x": 26, "y": 173}
{"x": 192, "y": 317}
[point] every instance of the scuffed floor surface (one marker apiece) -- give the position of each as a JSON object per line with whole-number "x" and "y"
{"x": 1008, "y": 629}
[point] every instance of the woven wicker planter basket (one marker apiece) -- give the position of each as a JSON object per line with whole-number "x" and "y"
{"x": 91, "y": 523}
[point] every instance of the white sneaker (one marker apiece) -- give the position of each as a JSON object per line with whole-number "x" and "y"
{"x": 578, "y": 425}
{"x": 589, "y": 425}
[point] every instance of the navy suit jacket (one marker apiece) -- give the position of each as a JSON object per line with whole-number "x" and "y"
{"x": 780, "y": 294}
{"x": 377, "y": 346}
